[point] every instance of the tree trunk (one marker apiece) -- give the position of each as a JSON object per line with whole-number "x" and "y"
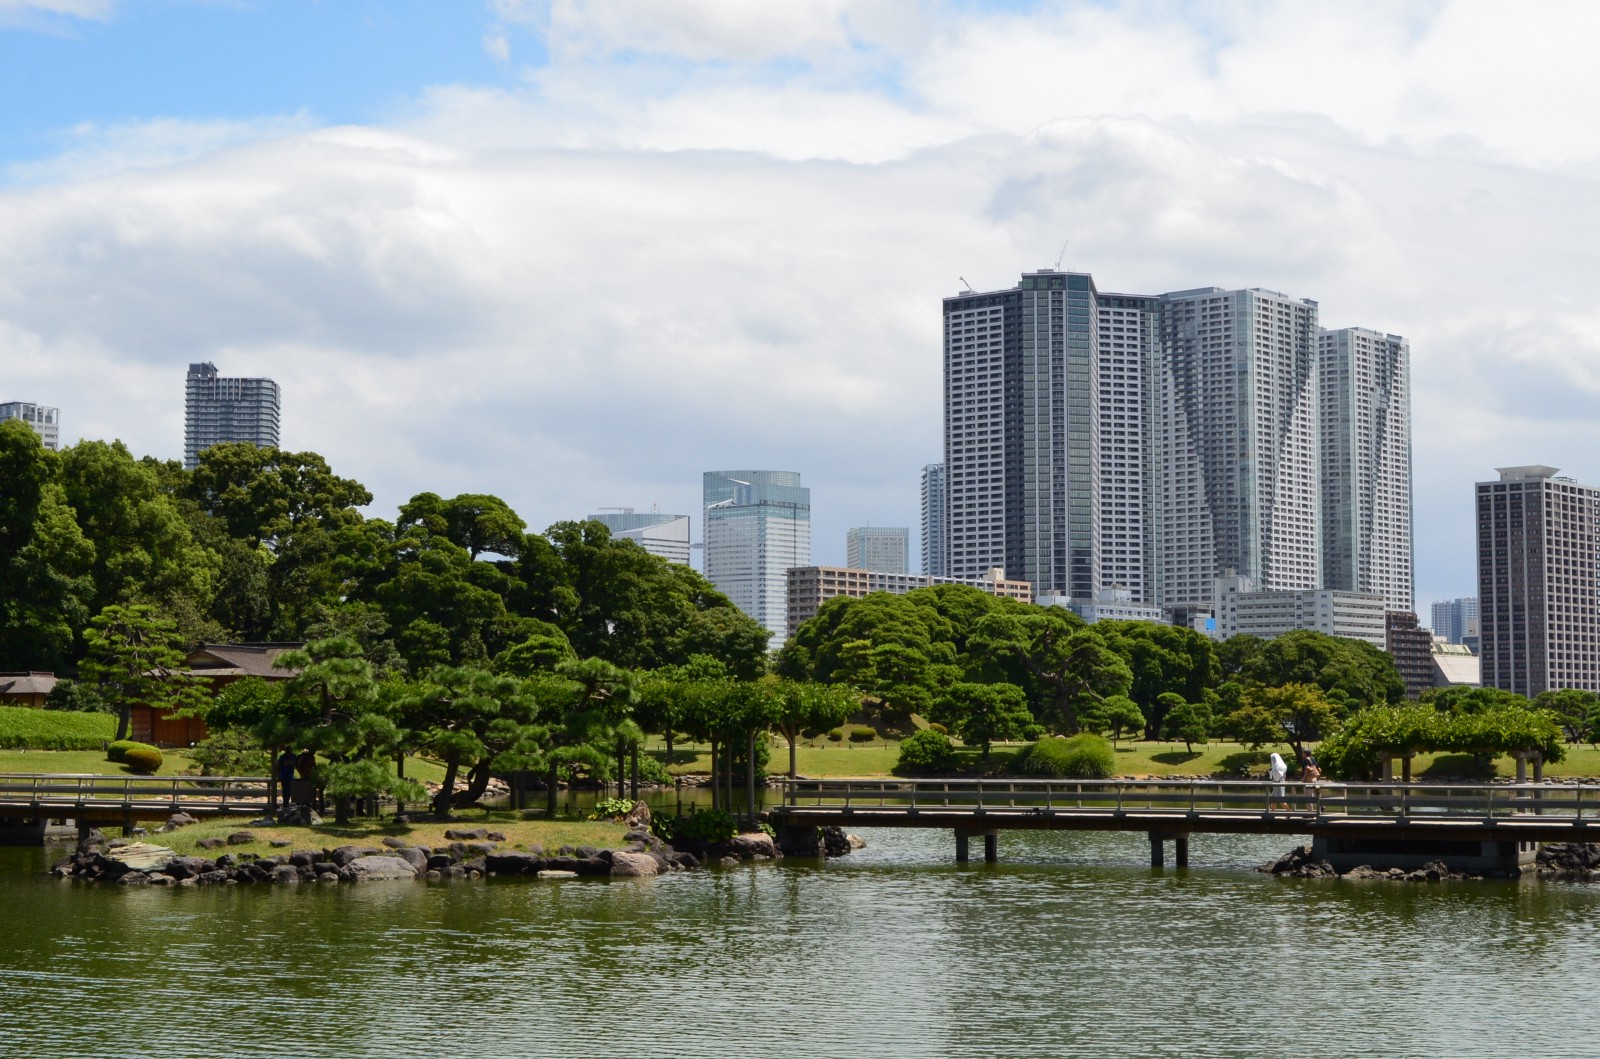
{"x": 477, "y": 783}
{"x": 715, "y": 794}
{"x": 124, "y": 720}
{"x": 343, "y": 809}
{"x": 441, "y": 801}
{"x": 750, "y": 779}
{"x": 634, "y": 782}
{"x": 550, "y": 792}
{"x": 727, "y": 753}
{"x": 622, "y": 769}
{"x": 791, "y": 754}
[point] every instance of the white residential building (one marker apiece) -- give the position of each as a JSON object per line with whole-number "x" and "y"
{"x": 935, "y": 550}
{"x": 1365, "y": 393}
{"x": 46, "y": 422}
{"x": 1241, "y": 609}
{"x": 1129, "y": 357}
{"x": 1236, "y": 443}
{"x": 218, "y": 409}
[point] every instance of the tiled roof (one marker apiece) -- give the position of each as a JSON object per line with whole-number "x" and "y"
{"x": 240, "y": 660}
{"x": 32, "y": 683}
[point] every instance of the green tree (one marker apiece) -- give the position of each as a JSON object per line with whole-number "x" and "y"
{"x": 1350, "y": 670}
{"x": 1068, "y": 662}
{"x": 136, "y": 658}
{"x": 1571, "y": 706}
{"x": 983, "y": 713}
{"x": 800, "y": 707}
{"x": 1163, "y": 659}
{"x": 476, "y": 719}
{"x": 1293, "y": 713}
{"x": 1122, "y": 714}
{"x": 1188, "y": 721}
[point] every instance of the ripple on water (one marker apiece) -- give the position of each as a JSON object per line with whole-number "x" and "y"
{"x": 1070, "y": 947}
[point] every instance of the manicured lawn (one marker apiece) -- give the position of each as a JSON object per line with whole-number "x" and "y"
{"x": 90, "y": 762}
{"x": 521, "y": 834}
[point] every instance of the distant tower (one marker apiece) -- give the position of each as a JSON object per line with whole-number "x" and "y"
{"x": 757, "y": 526}
{"x": 881, "y": 549}
{"x": 666, "y": 536}
{"x": 1365, "y": 391}
{"x": 935, "y": 548}
{"x": 1538, "y": 593}
{"x": 218, "y": 409}
{"x": 46, "y": 422}
{"x": 1456, "y": 619}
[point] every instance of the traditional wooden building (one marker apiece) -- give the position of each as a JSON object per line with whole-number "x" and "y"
{"x": 217, "y": 666}
{"x": 26, "y": 689}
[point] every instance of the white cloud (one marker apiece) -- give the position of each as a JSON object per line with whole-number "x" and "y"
{"x": 586, "y": 291}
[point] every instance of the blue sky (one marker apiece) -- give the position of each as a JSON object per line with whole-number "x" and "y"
{"x": 576, "y": 252}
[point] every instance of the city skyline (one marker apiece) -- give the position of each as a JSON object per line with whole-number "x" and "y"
{"x": 423, "y": 250}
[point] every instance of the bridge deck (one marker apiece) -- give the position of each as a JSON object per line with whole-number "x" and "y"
{"x": 1392, "y": 811}
{"x": 90, "y": 797}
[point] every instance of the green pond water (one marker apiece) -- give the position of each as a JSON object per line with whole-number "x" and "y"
{"x": 1072, "y": 946}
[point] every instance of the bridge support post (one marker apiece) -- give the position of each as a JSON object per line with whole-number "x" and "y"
{"x": 962, "y": 855}
{"x": 991, "y": 847}
{"x": 1180, "y": 850}
{"x": 1157, "y": 850}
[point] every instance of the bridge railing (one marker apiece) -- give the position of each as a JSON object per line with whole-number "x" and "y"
{"x": 198, "y": 793}
{"x": 1174, "y": 797}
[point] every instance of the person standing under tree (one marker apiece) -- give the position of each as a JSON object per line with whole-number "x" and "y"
{"x": 285, "y": 770}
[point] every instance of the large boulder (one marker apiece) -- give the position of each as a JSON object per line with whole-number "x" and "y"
{"x": 752, "y": 844}
{"x": 415, "y": 856}
{"x": 626, "y": 864}
{"x": 512, "y": 863}
{"x": 638, "y": 818}
{"x": 346, "y": 854}
{"x": 380, "y": 869}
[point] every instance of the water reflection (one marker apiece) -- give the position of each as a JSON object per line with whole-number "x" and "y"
{"x": 1070, "y": 946}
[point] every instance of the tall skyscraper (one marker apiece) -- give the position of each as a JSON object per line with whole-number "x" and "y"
{"x": 935, "y": 553}
{"x": 1236, "y": 443}
{"x": 881, "y": 549}
{"x": 46, "y": 422}
{"x": 218, "y": 409}
{"x": 664, "y": 535}
{"x": 1130, "y": 350}
{"x": 1365, "y": 392}
{"x": 1538, "y": 588}
{"x": 1456, "y": 620}
{"x": 1022, "y": 433}
{"x": 757, "y": 526}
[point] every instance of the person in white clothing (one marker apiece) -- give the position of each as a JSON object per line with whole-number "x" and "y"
{"x": 1276, "y": 773}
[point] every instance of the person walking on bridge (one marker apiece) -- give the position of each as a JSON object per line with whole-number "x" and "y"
{"x": 1276, "y": 773}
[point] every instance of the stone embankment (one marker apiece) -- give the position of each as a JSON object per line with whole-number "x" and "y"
{"x": 1299, "y": 863}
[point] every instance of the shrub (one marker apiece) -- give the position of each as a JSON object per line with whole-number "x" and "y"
{"x": 860, "y": 733}
{"x": 145, "y": 760}
{"x": 651, "y": 770}
{"x": 1033, "y": 733}
{"x": 835, "y": 735}
{"x": 24, "y": 728}
{"x": 925, "y": 752}
{"x": 612, "y": 808}
{"x": 1083, "y": 757}
{"x": 937, "y": 727}
{"x": 700, "y": 827}
{"x": 118, "y": 751}
{"x": 230, "y": 752}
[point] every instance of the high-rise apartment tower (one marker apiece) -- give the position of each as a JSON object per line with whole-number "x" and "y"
{"x": 1456, "y": 620}
{"x": 935, "y": 554}
{"x": 218, "y": 409}
{"x": 757, "y": 526}
{"x": 1365, "y": 393}
{"x": 1022, "y": 433}
{"x": 1538, "y": 589}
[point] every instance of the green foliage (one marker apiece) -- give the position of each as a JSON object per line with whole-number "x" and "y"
{"x": 24, "y": 728}
{"x": 703, "y": 827}
{"x": 1188, "y": 721}
{"x": 1067, "y": 665}
{"x": 1081, "y": 756}
{"x": 653, "y": 772}
{"x": 835, "y": 735}
{"x": 230, "y": 752}
{"x": 145, "y": 760}
{"x": 611, "y": 808}
{"x": 925, "y": 753}
{"x": 1293, "y": 713}
{"x": 937, "y": 727}
{"x": 136, "y": 657}
{"x": 1034, "y": 732}
{"x": 984, "y": 713}
{"x": 1121, "y": 714}
{"x": 1356, "y": 750}
{"x": 1349, "y": 671}
{"x": 860, "y": 733}
{"x": 117, "y": 750}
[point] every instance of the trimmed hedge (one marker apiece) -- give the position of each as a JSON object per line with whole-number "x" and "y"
{"x": 25, "y": 728}
{"x": 1082, "y": 757}
{"x": 145, "y": 760}
{"x": 860, "y": 733}
{"x": 925, "y": 752}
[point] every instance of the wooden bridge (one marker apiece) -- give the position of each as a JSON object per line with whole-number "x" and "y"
{"x": 31, "y": 801}
{"x": 1382, "y": 824}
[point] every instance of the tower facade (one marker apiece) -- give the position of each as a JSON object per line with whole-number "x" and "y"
{"x": 1129, "y": 356}
{"x": 666, "y": 536}
{"x": 1236, "y": 443}
{"x": 46, "y": 422}
{"x": 218, "y": 409}
{"x": 1022, "y": 433}
{"x": 757, "y": 526}
{"x": 1456, "y": 620}
{"x": 1538, "y": 588}
{"x": 935, "y": 554}
{"x": 881, "y": 549}
{"x": 1365, "y": 395}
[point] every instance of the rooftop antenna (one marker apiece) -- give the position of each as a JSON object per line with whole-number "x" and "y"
{"x": 963, "y": 279}
{"x": 1062, "y": 256}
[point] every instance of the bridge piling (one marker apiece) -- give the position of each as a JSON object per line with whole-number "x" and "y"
{"x": 961, "y": 847}
{"x": 1158, "y": 852}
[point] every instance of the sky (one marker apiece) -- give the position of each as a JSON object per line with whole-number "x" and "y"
{"x": 574, "y": 254}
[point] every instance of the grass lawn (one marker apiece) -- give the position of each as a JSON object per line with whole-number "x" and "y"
{"x": 91, "y": 762}
{"x": 521, "y": 834}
